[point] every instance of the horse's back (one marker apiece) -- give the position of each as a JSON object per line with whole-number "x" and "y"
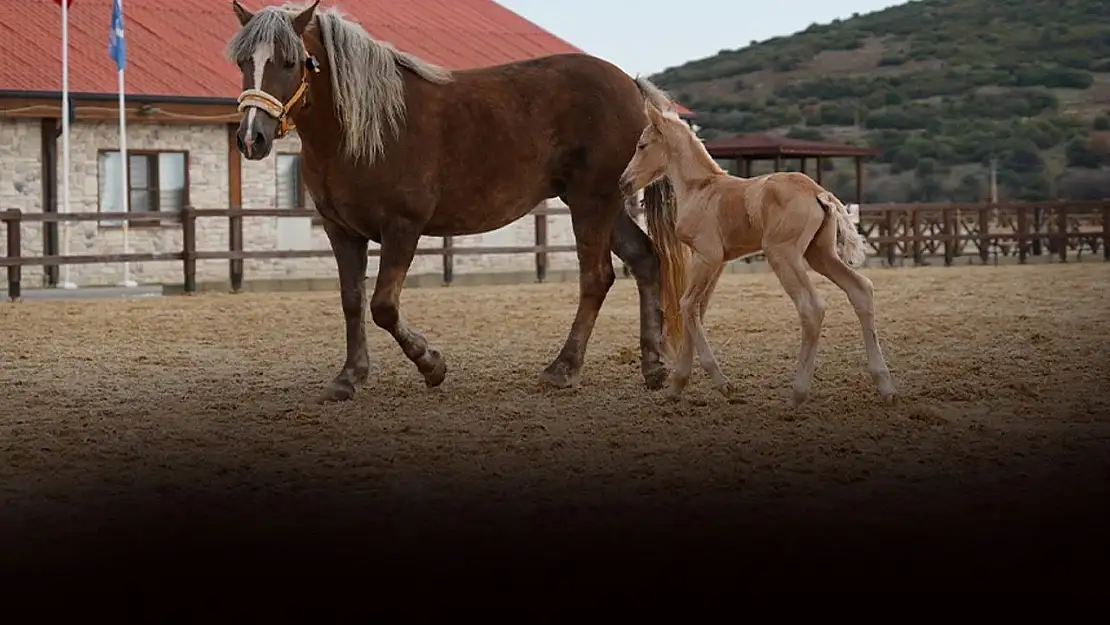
{"x": 570, "y": 89}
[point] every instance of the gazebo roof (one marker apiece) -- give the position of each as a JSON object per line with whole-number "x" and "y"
{"x": 769, "y": 146}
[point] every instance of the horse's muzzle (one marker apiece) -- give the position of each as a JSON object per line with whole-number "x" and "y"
{"x": 254, "y": 138}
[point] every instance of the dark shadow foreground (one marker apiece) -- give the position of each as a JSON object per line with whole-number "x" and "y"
{"x": 1041, "y": 529}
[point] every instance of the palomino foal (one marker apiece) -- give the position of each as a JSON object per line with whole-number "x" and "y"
{"x": 720, "y": 218}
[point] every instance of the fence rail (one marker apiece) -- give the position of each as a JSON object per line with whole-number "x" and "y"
{"x": 895, "y": 233}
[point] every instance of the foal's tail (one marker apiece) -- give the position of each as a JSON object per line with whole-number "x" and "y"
{"x": 850, "y": 245}
{"x": 661, "y": 212}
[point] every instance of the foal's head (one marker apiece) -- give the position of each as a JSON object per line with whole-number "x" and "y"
{"x": 270, "y": 52}
{"x": 658, "y": 141}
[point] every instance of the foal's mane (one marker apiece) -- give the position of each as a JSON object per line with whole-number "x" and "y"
{"x": 366, "y": 77}
{"x": 678, "y": 134}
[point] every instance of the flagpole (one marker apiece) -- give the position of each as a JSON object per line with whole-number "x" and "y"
{"x": 65, "y": 283}
{"x": 127, "y": 281}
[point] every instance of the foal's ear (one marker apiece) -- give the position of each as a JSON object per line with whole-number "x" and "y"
{"x": 304, "y": 18}
{"x": 655, "y": 116}
{"x": 243, "y": 14}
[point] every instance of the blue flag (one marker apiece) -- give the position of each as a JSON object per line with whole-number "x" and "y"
{"x": 117, "y": 47}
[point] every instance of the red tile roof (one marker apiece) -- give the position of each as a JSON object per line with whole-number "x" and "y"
{"x": 766, "y": 145}
{"x": 176, "y": 48}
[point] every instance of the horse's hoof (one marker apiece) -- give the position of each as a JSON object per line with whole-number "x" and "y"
{"x": 891, "y": 399}
{"x": 655, "y": 377}
{"x": 557, "y": 376}
{"x": 435, "y": 371}
{"x": 337, "y": 390}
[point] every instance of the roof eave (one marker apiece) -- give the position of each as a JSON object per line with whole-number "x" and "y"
{"x": 98, "y": 97}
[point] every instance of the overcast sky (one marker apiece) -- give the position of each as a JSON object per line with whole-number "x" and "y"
{"x": 682, "y": 30}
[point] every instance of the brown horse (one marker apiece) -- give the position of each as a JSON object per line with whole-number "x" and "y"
{"x": 720, "y": 218}
{"x": 394, "y": 148}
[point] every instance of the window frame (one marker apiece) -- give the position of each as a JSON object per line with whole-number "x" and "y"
{"x": 152, "y": 218}
{"x": 301, "y": 190}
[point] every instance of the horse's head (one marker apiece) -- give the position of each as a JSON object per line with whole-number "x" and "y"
{"x": 649, "y": 163}
{"x": 271, "y": 53}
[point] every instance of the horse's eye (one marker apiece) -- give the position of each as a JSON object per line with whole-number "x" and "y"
{"x": 290, "y": 64}
{"x": 640, "y": 146}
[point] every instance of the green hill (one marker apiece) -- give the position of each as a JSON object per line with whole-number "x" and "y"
{"x": 940, "y": 86}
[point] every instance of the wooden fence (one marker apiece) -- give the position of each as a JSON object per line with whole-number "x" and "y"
{"x": 894, "y": 232}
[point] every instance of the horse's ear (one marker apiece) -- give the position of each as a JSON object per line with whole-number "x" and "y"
{"x": 304, "y": 18}
{"x": 243, "y": 14}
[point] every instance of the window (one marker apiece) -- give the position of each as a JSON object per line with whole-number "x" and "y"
{"x": 291, "y": 192}
{"x": 157, "y": 182}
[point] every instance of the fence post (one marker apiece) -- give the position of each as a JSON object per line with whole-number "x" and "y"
{"x": 915, "y": 228}
{"x": 12, "y": 223}
{"x": 1105, "y": 228}
{"x": 448, "y": 261}
{"x": 541, "y": 242}
{"x": 1062, "y": 227}
{"x": 888, "y": 227}
{"x": 1022, "y": 233}
{"x": 189, "y": 245}
{"x": 984, "y": 233}
{"x": 948, "y": 228}
{"x": 234, "y": 244}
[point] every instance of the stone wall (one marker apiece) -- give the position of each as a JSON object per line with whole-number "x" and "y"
{"x": 21, "y": 187}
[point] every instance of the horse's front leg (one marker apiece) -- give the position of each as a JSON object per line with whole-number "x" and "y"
{"x": 399, "y": 242}
{"x": 350, "y": 257}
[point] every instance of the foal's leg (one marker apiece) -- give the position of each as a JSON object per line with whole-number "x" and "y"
{"x": 712, "y": 287}
{"x": 787, "y": 262}
{"x": 705, "y": 353}
{"x": 592, "y": 220}
{"x": 633, "y": 246}
{"x": 399, "y": 241}
{"x": 860, "y": 293}
{"x": 703, "y": 274}
{"x": 350, "y": 258}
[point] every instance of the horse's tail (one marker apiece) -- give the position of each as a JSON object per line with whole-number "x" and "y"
{"x": 661, "y": 212}
{"x": 850, "y": 245}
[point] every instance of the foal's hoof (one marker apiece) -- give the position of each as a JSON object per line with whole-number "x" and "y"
{"x": 655, "y": 377}
{"x": 797, "y": 399}
{"x": 886, "y": 387}
{"x": 434, "y": 367}
{"x": 558, "y": 375}
{"x": 337, "y": 390}
{"x": 724, "y": 388}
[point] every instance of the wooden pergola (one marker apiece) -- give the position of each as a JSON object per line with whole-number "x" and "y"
{"x": 746, "y": 149}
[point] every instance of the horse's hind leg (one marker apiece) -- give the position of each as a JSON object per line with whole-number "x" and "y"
{"x": 592, "y": 220}
{"x": 399, "y": 241}
{"x": 787, "y": 262}
{"x": 860, "y": 293}
{"x": 633, "y": 246}
{"x": 350, "y": 258}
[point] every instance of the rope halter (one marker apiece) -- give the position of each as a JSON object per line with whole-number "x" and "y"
{"x": 273, "y": 107}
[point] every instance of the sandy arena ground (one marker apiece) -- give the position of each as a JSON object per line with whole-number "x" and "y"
{"x": 1002, "y": 371}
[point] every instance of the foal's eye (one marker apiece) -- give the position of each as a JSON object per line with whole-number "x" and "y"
{"x": 640, "y": 146}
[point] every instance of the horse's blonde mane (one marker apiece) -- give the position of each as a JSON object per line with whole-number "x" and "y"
{"x": 366, "y": 74}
